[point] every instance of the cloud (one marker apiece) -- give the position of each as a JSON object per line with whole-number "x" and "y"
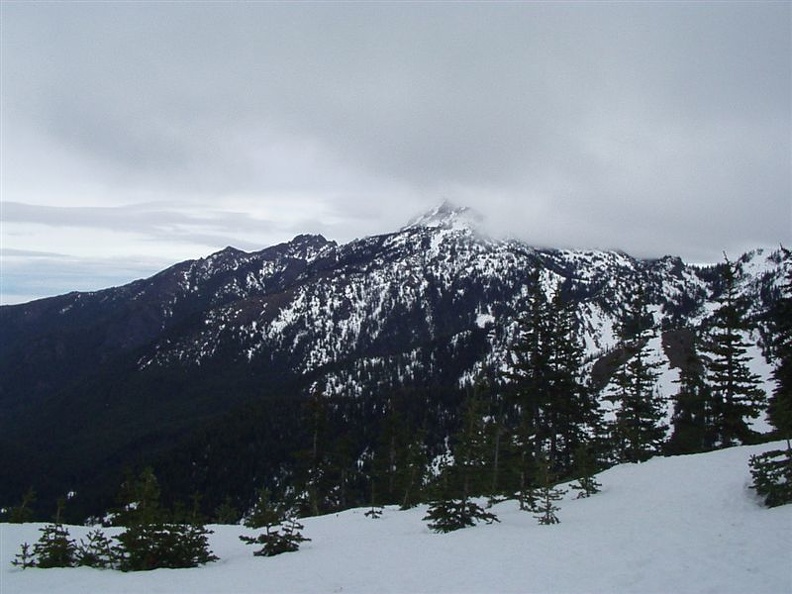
{"x": 649, "y": 127}
{"x": 28, "y": 275}
{"x": 197, "y": 226}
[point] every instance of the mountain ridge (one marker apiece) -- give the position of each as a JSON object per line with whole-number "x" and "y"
{"x": 433, "y": 304}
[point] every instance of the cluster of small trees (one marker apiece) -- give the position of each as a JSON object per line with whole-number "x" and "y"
{"x": 152, "y": 537}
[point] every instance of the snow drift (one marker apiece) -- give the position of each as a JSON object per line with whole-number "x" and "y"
{"x": 680, "y": 524}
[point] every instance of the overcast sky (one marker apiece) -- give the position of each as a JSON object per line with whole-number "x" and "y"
{"x": 139, "y": 134}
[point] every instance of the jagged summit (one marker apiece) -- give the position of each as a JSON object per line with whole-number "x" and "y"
{"x": 448, "y": 215}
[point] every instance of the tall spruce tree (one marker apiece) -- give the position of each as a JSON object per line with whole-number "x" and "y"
{"x": 555, "y": 411}
{"x": 637, "y": 431}
{"x": 399, "y": 459}
{"x": 455, "y": 508}
{"x": 736, "y": 395}
{"x": 779, "y": 409}
{"x": 139, "y": 500}
{"x": 529, "y": 385}
{"x": 692, "y": 419}
{"x": 314, "y": 465}
{"x": 412, "y": 471}
{"x": 496, "y": 438}
{"x": 572, "y": 412}
{"x": 471, "y": 448}
{"x": 772, "y": 470}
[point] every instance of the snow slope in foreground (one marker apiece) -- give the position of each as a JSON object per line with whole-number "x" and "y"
{"x": 682, "y": 524}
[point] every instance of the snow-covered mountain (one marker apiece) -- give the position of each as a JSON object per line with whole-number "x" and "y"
{"x": 682, "y": 524}
{"x": 433, "y": 304}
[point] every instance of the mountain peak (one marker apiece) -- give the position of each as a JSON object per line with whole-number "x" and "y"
{"x": 448, "y": 215}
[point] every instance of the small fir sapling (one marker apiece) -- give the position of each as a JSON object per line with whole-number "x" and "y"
{"x": 282, "y": 530}
{"x": 454, "y": 514}
{"x": 547, "y": 495}
{"x": 772, "y": 476}
{"x": 54, "y": 548}
{"x": 587, "y": 486}
{"x": 375, "y": 512}
{"x": 98, "y": 551}
{"x": 546, "y": 507}
{"x": 587, "y": 483}
{"x": 24, "y": 558}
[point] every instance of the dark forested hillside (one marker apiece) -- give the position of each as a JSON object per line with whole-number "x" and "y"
{"x": 206, "y": 370}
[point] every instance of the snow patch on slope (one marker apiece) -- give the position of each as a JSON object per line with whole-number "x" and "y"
{"x": 683, "y": 524}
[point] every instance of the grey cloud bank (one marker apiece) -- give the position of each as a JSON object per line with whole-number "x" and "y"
{"x": 155, "y": 132}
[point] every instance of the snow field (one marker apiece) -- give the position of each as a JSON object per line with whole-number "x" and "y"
{"x": 670, "y": 525}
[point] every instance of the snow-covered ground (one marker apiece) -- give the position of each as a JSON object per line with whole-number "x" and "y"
{"x": 671, "y": 525}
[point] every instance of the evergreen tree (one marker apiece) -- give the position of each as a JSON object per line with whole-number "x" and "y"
{"x": 454, "y": 514}
{"x": 413, "y": 471}
{"x": 466, "y": 477}
{"x": 779, "y": 409}
{"x": 399, "y": 459}
{"x": 471, "y": 450}
{"x": 138, "y": 500}
{"x": 637, "y": 431}
{"x": 99, "y": 551}
{"x": 530, "y": 363}
{"x": 25, "y": 558}
{"x": 585, "y": 469}
{"x": 772, "y": 471}
{"x": 736, "y": 396}
{"x": 496, "y": 438}
{"x": 555, "y": 411}
{"x": 23, "y": 512}
{"x": 226, "y": 512}
{"x": 772, "y": 476}
{"x": 315, "y": 468}
{"x": 692, "y": 419}
{"x": 54, "y": 548}
{"x": 547, "y": 494}
{"x": 571, "y": 411}
{"x": 390, "y": 441}
{"x": 265, "y": 512}
{"x": 529, "y": 382}
{"x": 151, "y": 546}
{"x": 150, "y": 540}
{"x": 282, "y": 530}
